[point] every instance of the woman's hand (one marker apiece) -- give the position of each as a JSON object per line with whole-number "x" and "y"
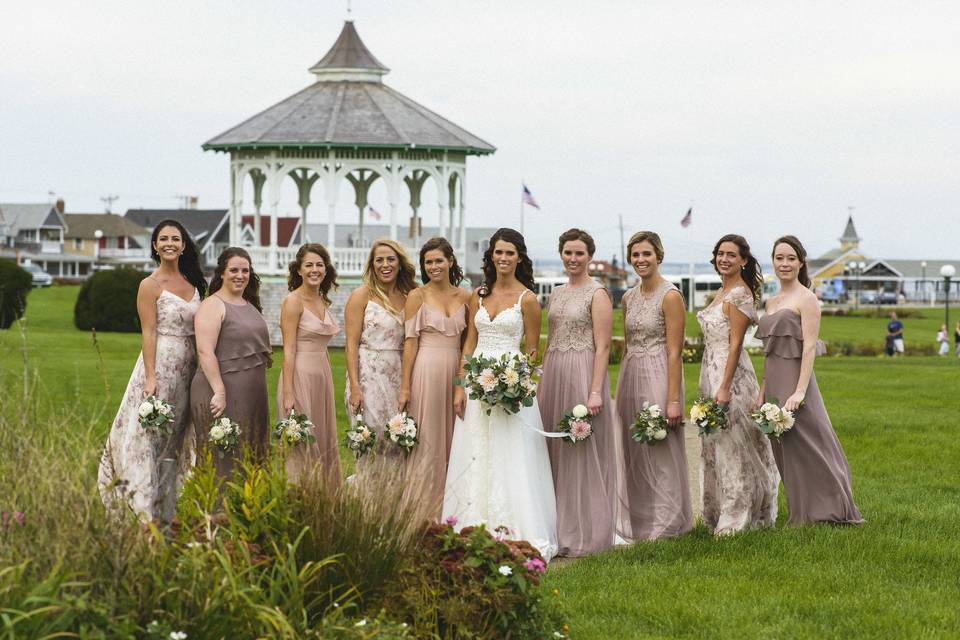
{"x": 758, "y": 402}
{"x": 218, "y": 403}
{"x": 356, "y": 399}
{"x": 288, "y": 403}
{"x": 459, "y": 402}
{"x": 150, "y": 386}
{"x": 674, "y": 414}
{"x": 794, "y": 402}
{"x": 594, "y": 403}
{"x": 722, "y": 396}
{"x": 403, "y": 399}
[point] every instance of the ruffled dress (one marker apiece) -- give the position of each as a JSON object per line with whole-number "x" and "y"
{"x": 815, "y": 471}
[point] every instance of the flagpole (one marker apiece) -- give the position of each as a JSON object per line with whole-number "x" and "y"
{"x": 521, "y": 208}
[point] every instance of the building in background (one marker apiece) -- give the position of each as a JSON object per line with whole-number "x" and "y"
{"x": 110, "y": 240}
{"x": 35, "y": 235}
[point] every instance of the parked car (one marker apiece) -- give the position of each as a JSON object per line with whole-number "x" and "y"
{"x": 40, "y": 277}
{"x": 888, "y": 297}
{"x": 868, "y": 297}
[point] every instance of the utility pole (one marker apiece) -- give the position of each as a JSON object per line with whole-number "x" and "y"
{"x": 623, "y": 249}
{"x": 108, "y": 201}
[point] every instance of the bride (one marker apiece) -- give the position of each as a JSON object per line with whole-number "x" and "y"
{"x": 499, "y": 471}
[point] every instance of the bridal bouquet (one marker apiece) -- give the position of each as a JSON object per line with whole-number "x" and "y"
{"x": 225, "y": 434}
{"x": 508, "y": 382}
{"x": 576, "y": 424}
{"x": 360, "y": 437}
{"x": 156, "y": 415}
{"x": 650, "y": 425}
{"x": 773, "y": 420}
{"x": 709, "y": 416}
{"x": 402, "y": 431}
{"x": 294, "y": 430}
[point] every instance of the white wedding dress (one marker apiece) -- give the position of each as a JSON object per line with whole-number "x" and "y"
{"x": 499, "y": 472}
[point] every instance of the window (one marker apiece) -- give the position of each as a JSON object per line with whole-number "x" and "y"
{"x": 78, "y": 243}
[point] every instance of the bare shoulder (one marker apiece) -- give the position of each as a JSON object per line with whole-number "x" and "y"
{"x": 530, "y": 302}
{"x": 150, "y": 286}
{"x": 808, "y": 303}
{"x": 464, "y": 295}
{"x": 360, "y": 296}
{"x": 212, "y": 306}
{"x": 292, "y": 303}
{"x": 672, "y": 297}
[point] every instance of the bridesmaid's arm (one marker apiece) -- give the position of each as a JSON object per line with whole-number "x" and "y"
{"x": 206, "y": 325}
{"x": 459, "y": 395}
{"x": 290, "y": 312}
{"x": 530, "y": 307}
{"x": 739, "y": 323}
{"x": 810, "y": 322}
{"x": 411, "y": 344}
{"x": 601, "y": 311}
{"x": 353, "y": 327}
{"x": 675, "y": 317}
{"x": 147, "y": 296}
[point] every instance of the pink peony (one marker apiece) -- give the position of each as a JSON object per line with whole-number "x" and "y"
{"x": 580, "y": 430}
{"x": 535, "y": 565}
{"x": 451, "y": 521}
{"x": 488, "y": 380}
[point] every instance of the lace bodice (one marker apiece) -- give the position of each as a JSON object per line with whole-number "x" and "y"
{"x": 570, "y": 317}
{"x": 644, "y": 327}
{"x": 503, "y": 333}
{"x": 175, "y": 315}
{"x": 716, "y": 326}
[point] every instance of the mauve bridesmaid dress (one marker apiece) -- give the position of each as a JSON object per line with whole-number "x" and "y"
{"x": 814, "y": 469}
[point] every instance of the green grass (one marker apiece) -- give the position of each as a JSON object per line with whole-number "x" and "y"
{"x": 895, "y": 577}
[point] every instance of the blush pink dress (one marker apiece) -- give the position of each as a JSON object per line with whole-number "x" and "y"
{"x": 313, "y": 397}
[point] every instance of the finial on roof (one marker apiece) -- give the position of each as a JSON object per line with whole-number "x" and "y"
{"x": 349, "y": 59}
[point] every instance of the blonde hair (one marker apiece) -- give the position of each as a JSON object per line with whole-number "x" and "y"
{"x": 406, "y": 276}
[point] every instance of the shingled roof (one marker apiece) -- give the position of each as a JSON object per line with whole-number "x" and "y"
{"x": 349, "y": 106}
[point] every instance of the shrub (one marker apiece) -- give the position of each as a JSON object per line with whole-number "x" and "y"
{"x": 15, "y": 284}
{"x": 108, "y": 301}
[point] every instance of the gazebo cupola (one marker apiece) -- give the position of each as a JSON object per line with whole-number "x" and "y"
{"x": 347, "y": 125}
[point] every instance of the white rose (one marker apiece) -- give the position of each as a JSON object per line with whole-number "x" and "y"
{"x": 660, "y": 434}
{"x": 654, "y": 410}
{"x": 787, "y": 420}
{"x": 145, "y": 409}
{"x": 217, "y": 432}
{"x": 580, "y": 411}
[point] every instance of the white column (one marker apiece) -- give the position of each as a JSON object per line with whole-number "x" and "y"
{"x": 331, "y": 177}
{"x": 273, "y": 191}
{"x": 394, "y": 180}
{"x": 463, "y": 214}
{"x": 443, "y": 219}
{"x": 236, "y": 187}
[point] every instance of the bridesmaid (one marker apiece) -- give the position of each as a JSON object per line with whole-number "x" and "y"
{"x": 580, "y": 317}
{"x": 234, "y": 349}
{"x": 738, "y": 474}
{"x": 166, "y": 303}
{"x": 655, "y": 491}
{"x": 306, "y": 381}
{"x": 435, "y": 318}
{"x": 815, "y": 472}
{"x": 373, "y": 319}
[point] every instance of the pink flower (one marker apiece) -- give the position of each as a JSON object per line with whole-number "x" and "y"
{"x": 451, "y": 521}
{"x": 487, "y": 380}
{"x": 535, "y": 565}
{"x": 20, "y": 517}
{"x": 580, "y": 430}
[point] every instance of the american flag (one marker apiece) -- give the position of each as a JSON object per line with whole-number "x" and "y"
{"x": 528, "y": 198}
{"x": 687, "y": 219}
{"x": 374, "y": 213}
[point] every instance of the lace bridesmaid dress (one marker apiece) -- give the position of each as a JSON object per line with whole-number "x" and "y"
{"x": 654, "y": 490}
{"x": 379, "y": 369}
{"x": 816, "y": 475}
{"x": 584, "y": 474}
{"x": 129, "y": 472}
{"x": 313, "y": 396}
{"x": 738, "y": 474}
{"x": 431, "y": 402}
{"x": 244, "y": 354}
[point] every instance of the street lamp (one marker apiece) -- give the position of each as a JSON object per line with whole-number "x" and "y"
{"x": 856, "y": 267}
{"x": 923, "y": 279}
{"x": 97, "y": 234}
{"x": 947, "y": 271}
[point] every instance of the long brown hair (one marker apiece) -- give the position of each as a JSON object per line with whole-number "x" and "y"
{"x": 252, "y": 292}
{"x": 524, "y": 271}
{"x": 440, "y": 244}
{"x": 294, "y": 279}
{"x": 406, "y": 276}
{"x": 751, "y": 273}
{"x": 189, "y": 262}
{"x": 794, "y": 243}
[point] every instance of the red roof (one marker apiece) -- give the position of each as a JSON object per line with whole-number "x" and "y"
{"x": 286, "y": 227}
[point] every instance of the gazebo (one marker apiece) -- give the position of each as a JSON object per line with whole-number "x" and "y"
{"x": 347, "y": 125}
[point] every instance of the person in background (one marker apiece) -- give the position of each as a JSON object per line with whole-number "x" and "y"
{"x": 943, "y": 339}
{"x": 956, "y": 339}
{"x": 895, "y": 335}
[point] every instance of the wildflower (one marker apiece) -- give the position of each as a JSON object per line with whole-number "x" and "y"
{"x": 505, "y": 570}
{"x": 451, "y": 521}
{"x": 178, "y": 635}
{"x": 535, "y": 565}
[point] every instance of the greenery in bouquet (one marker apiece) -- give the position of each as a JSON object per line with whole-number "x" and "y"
{"x": 359, "y": 437}
{"x": 156, "y": 415}
{"x": 708, "y": 415}
{"x": 649, "y": 426}
{"x": 508, "y": 382}
{"x": 576, "y": 424}
{"x": 224, "y": 434}
{"x": 401, "y": 429}
{"x": 772, "y": 419}
{"x": 294, "y": 430}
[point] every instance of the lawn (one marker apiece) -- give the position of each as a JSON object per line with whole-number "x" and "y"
{"x": 895, "y": 577}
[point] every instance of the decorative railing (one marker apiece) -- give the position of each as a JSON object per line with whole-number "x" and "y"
{"x": 350, "y": 261}
{"x": 139, "y": 252}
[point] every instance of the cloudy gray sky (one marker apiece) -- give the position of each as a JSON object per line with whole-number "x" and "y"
{"x": 766, "y": 117}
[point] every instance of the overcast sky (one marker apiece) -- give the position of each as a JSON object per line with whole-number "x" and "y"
{"x": 765, "y": 117}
